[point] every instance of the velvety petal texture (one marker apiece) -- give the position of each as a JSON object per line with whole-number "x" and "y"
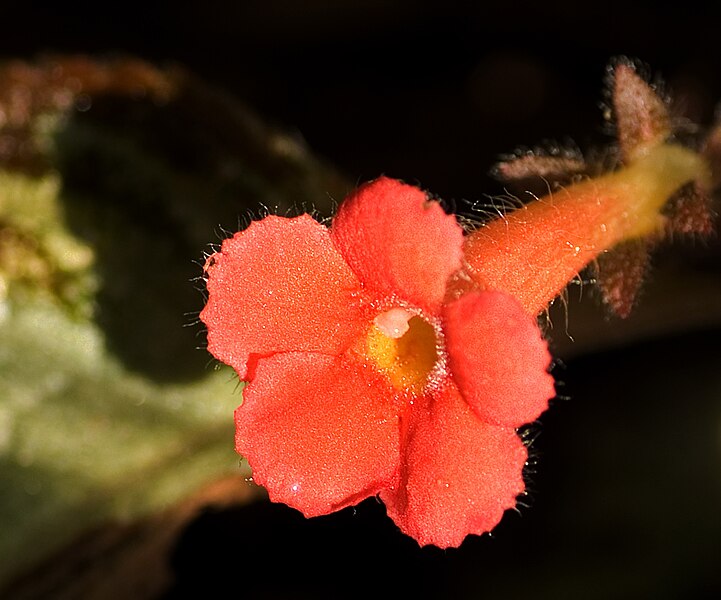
{"x": 366, "y": 375}
{"x": 319, "y": 432}
{"x": 399, "y": 242}
{"x": 459, "y": 474}
{"x": 278, "y": 286}
{"x": 498, "y": 358}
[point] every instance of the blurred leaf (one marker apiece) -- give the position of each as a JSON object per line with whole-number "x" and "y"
{"x": 83, "y": 441}
{"x": 114, "y": 178}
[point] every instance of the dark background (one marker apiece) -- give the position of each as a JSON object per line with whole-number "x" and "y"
{"x": 626, "y": 484}
{"x": 432, "y": 94}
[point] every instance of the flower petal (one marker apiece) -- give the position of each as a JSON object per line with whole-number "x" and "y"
{"x": 319, "y": 432}
{"x": 498, "y": 358}
{"x": 398, "y": 241}
{"x": 459, "y": 474}
{"x": 278, "y": 286}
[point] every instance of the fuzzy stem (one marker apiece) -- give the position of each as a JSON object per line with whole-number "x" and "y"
{"x": 535, "y": 251}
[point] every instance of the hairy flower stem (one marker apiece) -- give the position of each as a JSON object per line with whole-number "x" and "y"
{"x": 534, "y": 252}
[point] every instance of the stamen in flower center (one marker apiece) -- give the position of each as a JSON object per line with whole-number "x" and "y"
{"x": 405, "y": 347}
{"x": 394, "y": 322}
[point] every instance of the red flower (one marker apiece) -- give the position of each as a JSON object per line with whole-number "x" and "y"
{"x": 367, "y": 374}
{"x": 391, "y": 355}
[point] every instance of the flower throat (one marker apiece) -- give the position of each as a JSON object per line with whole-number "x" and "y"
{"x": 404, "y": 347}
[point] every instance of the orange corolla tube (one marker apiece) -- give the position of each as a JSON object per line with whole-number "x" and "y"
{"x": 533, "y": 252}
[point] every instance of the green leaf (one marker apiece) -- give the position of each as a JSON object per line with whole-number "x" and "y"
{"x": 83, "y": 441}
{"x": 110, "y": 408}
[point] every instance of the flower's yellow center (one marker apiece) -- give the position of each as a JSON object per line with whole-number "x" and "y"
{"x": 404, "y": 347}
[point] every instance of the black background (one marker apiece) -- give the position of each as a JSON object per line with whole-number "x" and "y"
{"x": 431, "y": 94}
